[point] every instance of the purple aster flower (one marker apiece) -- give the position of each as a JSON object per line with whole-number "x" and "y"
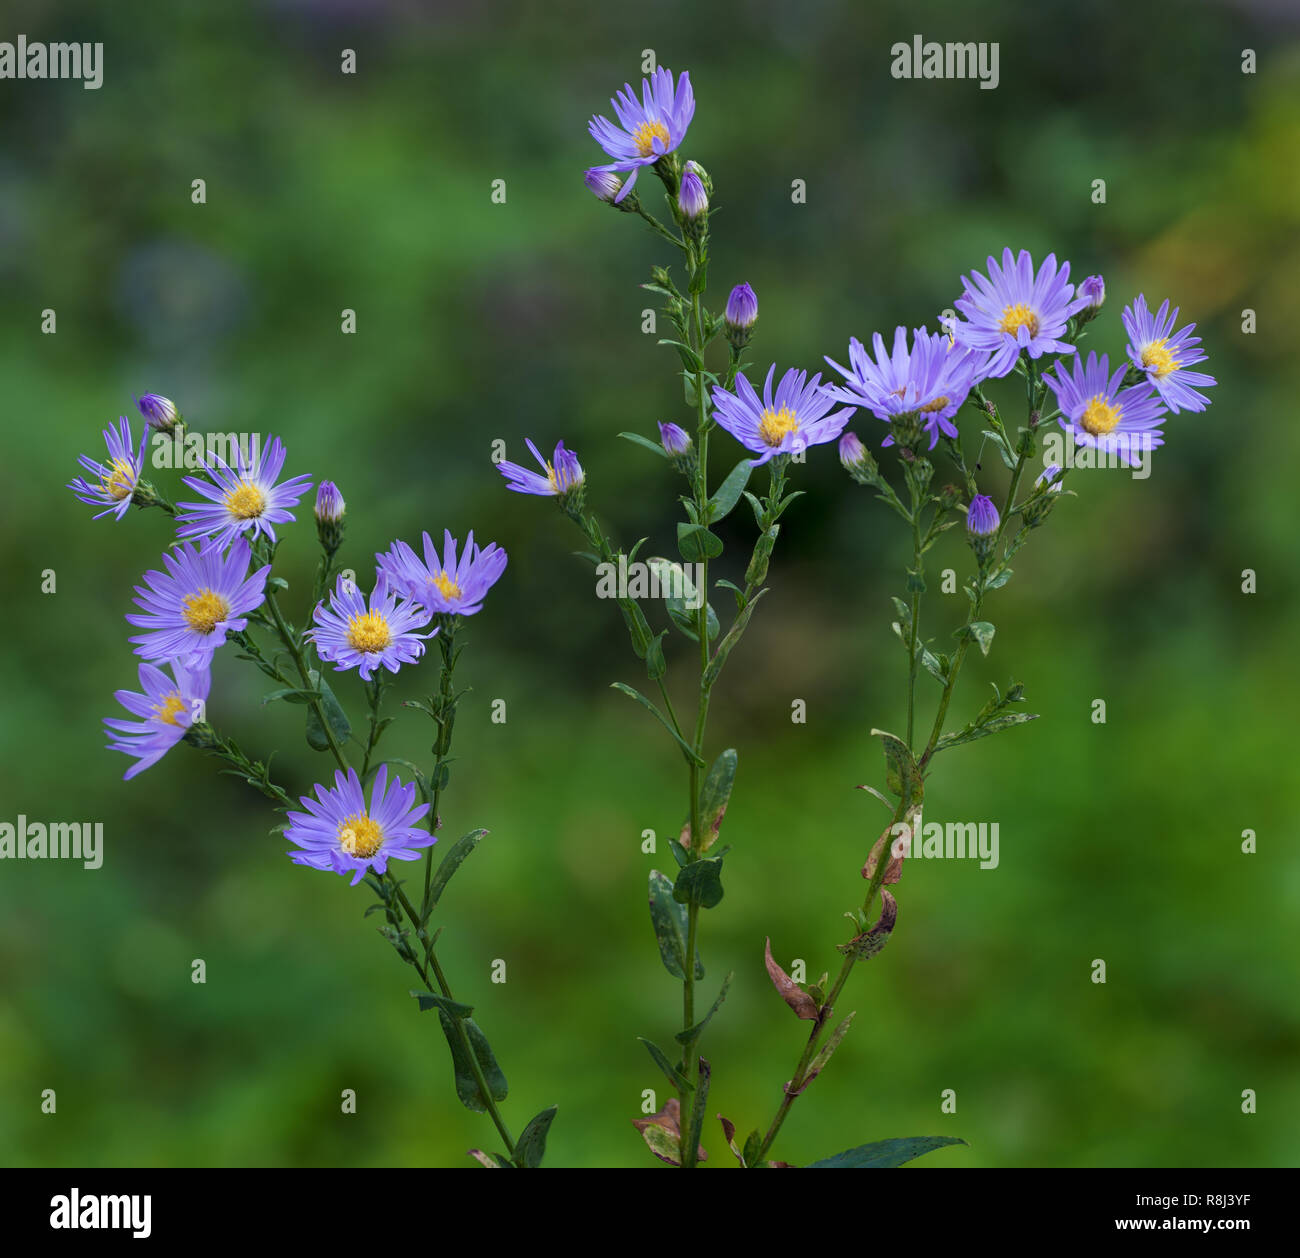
{"x": 793, "y": 418}
{"x": 563, "y": 476}
{"x": 674, "y": 440}
{"x": 244, "y": 500}
{"x": 1097, "y": 412}
{"x": 350, "y": 633}
{"x": 1049, "y": 478}
{"x": 982, "y": 518}
{"x": 692, "y": 200}
{"x": 603, "y": 184}
{"x": 1164, "y": 355}
{"x": 647, "y": 129}
{"x": 1094, "y": 289}
{"x": 159, "y": 412}
{"x": 115, "y": 481}
{"x": 932, "y": 380}
{"x": 201, "y": 597}
{"x": 742, "y": 307}
{"x": 167, "y": 707}
{"x": 339, "y": 832}
{"x": 1014, "y": 309}
{"x": 446, "y": 586}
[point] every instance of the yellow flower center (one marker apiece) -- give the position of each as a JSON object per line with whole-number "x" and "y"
{"x": 205, "y": 610}
{"x": 446, "y": 586}
{"x": 359, "y": 836}
{"x": 170, "y": 708}
{"x": 774, "y": 425}
{"x": 1018, "y": 316}
{"x": 369, "y": 633}
{"x": 247, "y": 502}
{"x": 937, "y": 405}
{"x": 646, "y": 134}
{"x": 119, "y": 480}
{"x": 1159, "y": 359}
{"x": 1100, "y": 417}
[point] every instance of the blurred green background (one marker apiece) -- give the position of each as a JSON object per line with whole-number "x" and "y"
{"x": 481, "y": 321}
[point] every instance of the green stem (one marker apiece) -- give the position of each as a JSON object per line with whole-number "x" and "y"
{"x": 444, "y": 989}
{"x": 442, "y": 745}
{"x": 799, "y": 1080}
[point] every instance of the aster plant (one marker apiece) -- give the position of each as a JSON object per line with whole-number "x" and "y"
{"x": 1012, "y": 318}
{"x": 216, "y": 596}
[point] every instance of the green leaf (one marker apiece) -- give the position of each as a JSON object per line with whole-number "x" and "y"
{"x": 688, "y": 1037}
{"x": 695, "y": 542}
{"x": 725, "y": 647}
{"x": 687, "y": 749}
{"x": 530, "y": 1148}
{"x": 936, "y": 667}
{"x": 902, "y": 775}
{"x": 645, "y": 441}
{"x": 637, "y": 626}
{"x": 695, "y": 1126}
{"x": 701, "y": 883}
{"x": 728, "y": 493}
{"x": 678, "y": 591}
{"x": 655, "y": 663}
{"x": 334, "y": 714}
{"x": 998, "y": 580}
{"x": 982, "y": 631}
{"x": 885, "y": 1152}
{"x": 690, "y": 359}
{"x": 753, "y": 1142}
{"x": 467, "y": 1088}
{"x": 671, "y": 1073}
{"x": 451, "y": 863}
{"x": 289, "y": 696}
{"x": 971, "y": 733}
{"x": 431, "y": 1000}
{"x": 827, "y": 1049}
{"x": 669, "y": 920}
{"x": 715, "y": 794}
{"x": 996, "y": 438}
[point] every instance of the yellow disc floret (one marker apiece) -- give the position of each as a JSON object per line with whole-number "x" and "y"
{"x": 205, "y": 610}
{"x": 246, "y": 502}
{"x": 1019, "y": 316}
{"x": 361, "y": 837}
{"x": 774, "y": 425}
{"x": 1159, "y": 359}
{"x": 369, "y": 633}
{"x": 1100, "y": 416}
{"x": 646, "y": 134}
{"x": 170, "y": 708}
{"x": 118, "y": 479}
{"x": 937, "y": 405}
{"x": 446, "y": 586}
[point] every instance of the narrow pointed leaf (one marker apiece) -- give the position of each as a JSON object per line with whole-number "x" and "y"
{"x": 885, "y": 1152}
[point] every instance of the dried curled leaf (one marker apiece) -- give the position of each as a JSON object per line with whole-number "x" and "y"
{"x": 899, "y": 838}
{"x": 870, "y": 942}
{"x": 662, "y": 1132}
{"x": 804, "y": 1005}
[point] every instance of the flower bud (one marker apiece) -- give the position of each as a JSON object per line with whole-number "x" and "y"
{"x": 605, "y": 186}
{"x": 698, "y": 170}
{"x": 330, "y": 509}
{"x": 982, "y": 524}
{"x": 857, "y": 460}
{"x": 741, "y": 315}
{"x": 677, "y": 444}
{"x": 160, "y": 413}
{"x": 1094, "y": 289}
{"x": 692, "y": 199}
{"x": 1039, "y": 507}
